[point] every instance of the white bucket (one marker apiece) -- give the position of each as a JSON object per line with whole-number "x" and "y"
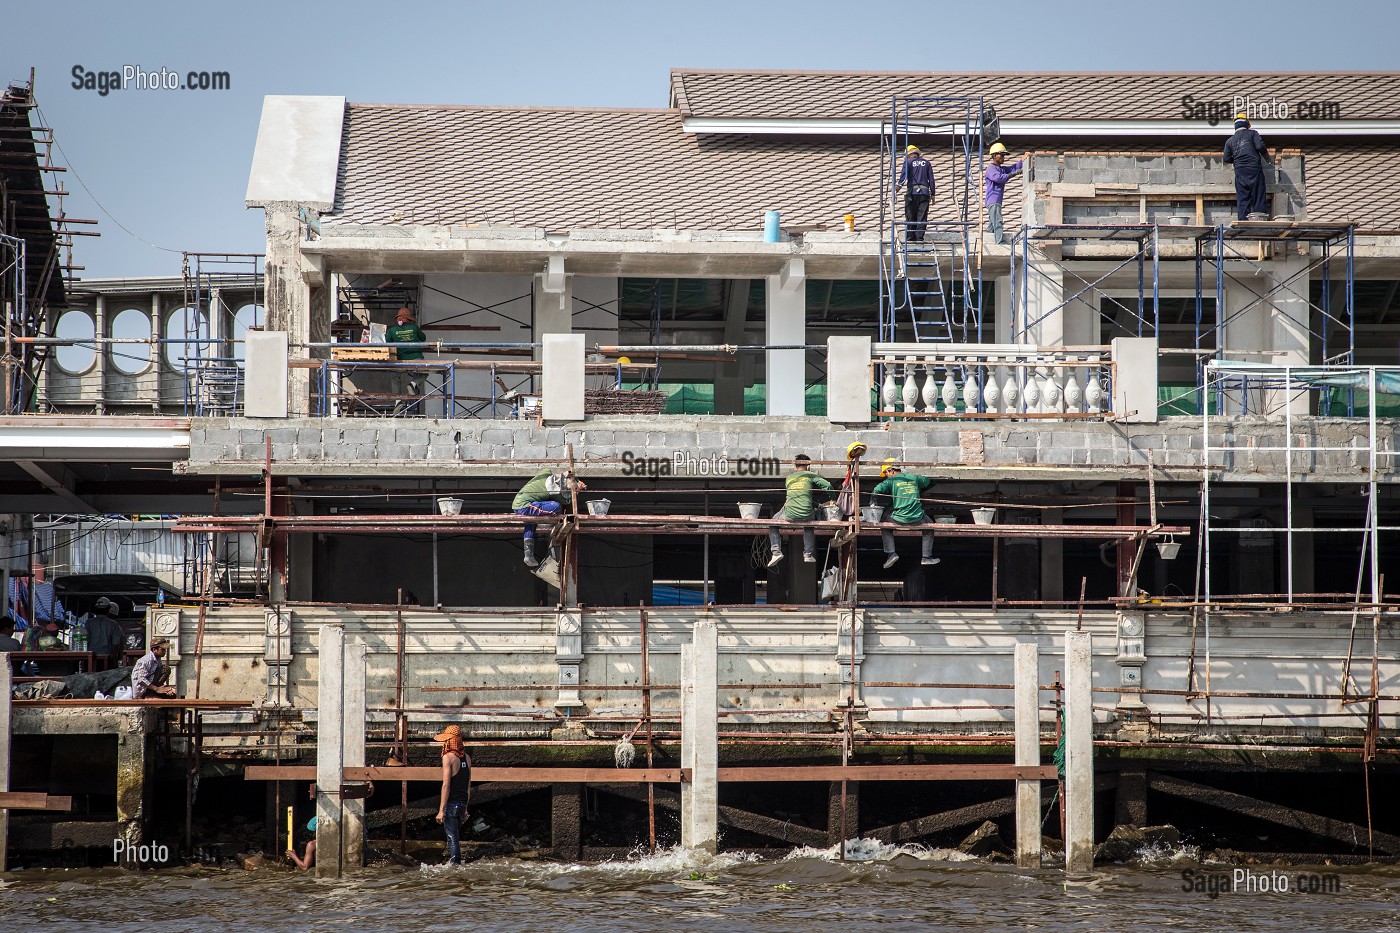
{"x": 945, "y": 520}
{"x": 548, "y": 571}
{"x": 1168, "y": 549}
{"x": 831, "y": 513}
{"x": 598, "y": 506}
{"x": 984, "y": 515}
{"x": 750, "y": 509}
{"x": 871, "y": 513}
{"x": 450, "y": 505}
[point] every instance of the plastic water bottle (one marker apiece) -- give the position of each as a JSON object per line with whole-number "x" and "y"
{"x": 78, "y": 628}
{"x": 160, "y": 599}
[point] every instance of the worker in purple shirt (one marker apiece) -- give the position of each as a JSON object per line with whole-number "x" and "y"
{"x": 918, "y": 172}
{"x": 997, "y": 175}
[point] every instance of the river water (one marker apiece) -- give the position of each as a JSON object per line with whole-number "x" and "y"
{"x": 880, "y": 888}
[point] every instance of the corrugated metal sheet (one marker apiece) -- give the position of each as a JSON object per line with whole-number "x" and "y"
{"x": 107, "y": 546}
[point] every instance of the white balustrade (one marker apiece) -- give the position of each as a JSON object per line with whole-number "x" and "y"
{"x": 992, "y": 380}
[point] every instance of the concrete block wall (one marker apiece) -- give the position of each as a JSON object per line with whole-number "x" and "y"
{"x": 612, "y": 446}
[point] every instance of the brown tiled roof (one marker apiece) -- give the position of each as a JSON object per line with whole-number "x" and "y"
{"x": 1355, "y": 182}
{"x": 564, "y": 168}
{"x": 1363, "y": 95}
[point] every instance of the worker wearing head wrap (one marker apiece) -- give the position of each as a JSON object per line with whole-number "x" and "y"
{"x": 456, "y": 789}
{"x": 918, "y": 173}
{"x": 1248, "y": 154}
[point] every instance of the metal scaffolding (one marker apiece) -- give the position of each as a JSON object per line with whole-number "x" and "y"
{"x": 213, "y": 372}
{"x": 1238, "y": 254}
{"x": 914, "y": 293}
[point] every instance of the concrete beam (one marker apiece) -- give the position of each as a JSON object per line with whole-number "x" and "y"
{"x": 1079, "y": 753}
{"x": 911, "y": 830}
{"x": 265, "y": 385}
{"x": 848, "y": 380}
{"x": 562, "y": 375}
{"x": 785, "y": 324}
{"x": 58, "y": 480}
{"x": 1135, "y": 379}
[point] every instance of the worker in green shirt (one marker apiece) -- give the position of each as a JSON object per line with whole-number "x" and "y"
{"x": 541, "y": 496}
{"x": 904, "y": 490}
{"x": 802, "y": 486}
{"x": 405, "y": 381}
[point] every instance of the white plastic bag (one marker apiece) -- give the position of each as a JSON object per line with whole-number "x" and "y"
{"x": 122, "y": 693}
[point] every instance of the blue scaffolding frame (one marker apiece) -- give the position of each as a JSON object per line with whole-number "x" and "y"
{"x": 955, "y": 307}
{"x": 1330, "y": 238}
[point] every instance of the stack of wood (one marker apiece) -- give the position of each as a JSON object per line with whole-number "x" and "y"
{"x": 623, "y": 402}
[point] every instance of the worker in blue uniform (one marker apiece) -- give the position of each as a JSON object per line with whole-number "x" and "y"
{"x": 918, "y": 173}
{"x": 1247, "y": 153}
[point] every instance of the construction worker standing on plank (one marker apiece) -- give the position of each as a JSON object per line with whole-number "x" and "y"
{"x": 1247, "y": 153}
{"x": 541, "y": 496}
{"x": 918, "y": 172}
{"x": 904, "y": 490}
{"x": 404, "y": 382}
{"x": 802, "y": 485}
{"x": 997, "y": 175}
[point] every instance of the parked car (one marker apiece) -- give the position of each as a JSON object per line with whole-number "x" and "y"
{"x": 131, "y": 592}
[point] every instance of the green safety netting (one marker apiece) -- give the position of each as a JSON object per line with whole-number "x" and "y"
{"x": 685, "y": 398}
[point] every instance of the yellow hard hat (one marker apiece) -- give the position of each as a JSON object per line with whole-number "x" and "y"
{"x": 996, "y": 147}
{"x": 912, "y": 148}
{"x": 890, "y": 464}
{"x": 856, "y": 449}
{"x": 624, "y": 361}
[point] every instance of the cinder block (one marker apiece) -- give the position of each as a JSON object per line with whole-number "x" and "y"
{"x": 1077, "y": 176}
{"x": 392, "y": 452}
{"x": 1162, "y": 177}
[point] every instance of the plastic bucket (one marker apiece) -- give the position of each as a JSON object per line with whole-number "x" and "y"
{"x": 598, "y": 506}
{"x": 871, "y": 513}
{"x": 1168, "y": 549}
{"x": 984, "y": 516}
{"x": 750, "y": 509}
{"x": 772, "y": 230}
{"x": 850, "y": 220}
{"x": 831, "y": 513}
{"x": 945, "y": 520}
{"x": 450, "y": 505}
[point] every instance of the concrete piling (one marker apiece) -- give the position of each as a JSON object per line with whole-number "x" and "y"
{"x": 1027, "y": 691}
{"x": 700, "y": 738}
{"x": 6, "y": 731}
{"x": 330, "y": 751}
{"x": 353, "y": 732}
{"x": 1079, "y": 752}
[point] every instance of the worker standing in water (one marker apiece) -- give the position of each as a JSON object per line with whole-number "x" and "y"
{"x": 1248, "y": 154}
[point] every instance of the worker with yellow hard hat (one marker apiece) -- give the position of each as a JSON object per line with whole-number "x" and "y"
{"x": 1247, "y": 153}
{"x": 997, "y": 175}
{"x": 918, "y": 172}
{"x": 889, "y": 464}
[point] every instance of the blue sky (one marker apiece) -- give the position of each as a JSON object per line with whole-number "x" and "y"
{"x": 172, "y": 165}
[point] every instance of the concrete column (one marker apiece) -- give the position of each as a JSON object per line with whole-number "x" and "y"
{"x": 1052, "y": 558}
{"x": 553, "y": 303}
{"x": 836, "y": 830}
{"x": 1304, "y": 551}
{"x": 785, "y": 324}
{"x": 1027, "y": 681}
{"x": 1131, "y": 803}
{"x": 330, "y": 750}
{"x": 1079, "y": 753}
{"x": 700, "y": 738}
{"x": 562, "y": 373}
{"x": 6, "y": 729}
{"x": 157, "y": 351}
{"x": 100, "y": 328}
{"x": 848, "y": 380}
{"x": 1290, "y": 337}
{"x": 132, "y": 759}
{"x": 353, "y": 832}
{"x": 289, "y": 303}
{"x": 730, "y": 377}
{"x": 1135, "y": 379}
{"x": 566, "y": 821}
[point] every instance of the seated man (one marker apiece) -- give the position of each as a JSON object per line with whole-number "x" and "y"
{"x": 8, "y": 642}
{"x": 904, "y": 490}
{"x": 105, "y": 634}
{"x": 801, "y": 486}
{"x": 149, "y": 674}
{"x": 541, "y": 496}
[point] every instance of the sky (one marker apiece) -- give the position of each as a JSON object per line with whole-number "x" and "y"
{"x": 171, "y": 166}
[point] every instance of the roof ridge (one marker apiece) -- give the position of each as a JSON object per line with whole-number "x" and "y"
{"x": 845, "y": 73}
{"x": 518, "y": 108}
